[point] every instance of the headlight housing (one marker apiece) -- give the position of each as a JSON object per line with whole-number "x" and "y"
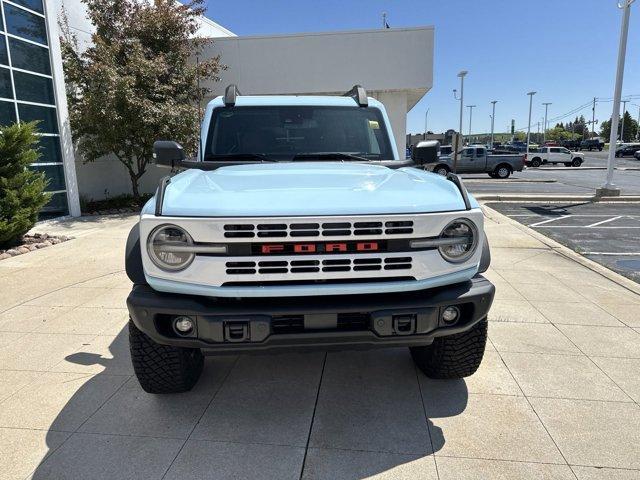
{"x": 463, "y": 235}
{"x": 166, "y": 247}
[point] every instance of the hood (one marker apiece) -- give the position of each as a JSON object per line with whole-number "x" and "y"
{"x": 310, "y": 188}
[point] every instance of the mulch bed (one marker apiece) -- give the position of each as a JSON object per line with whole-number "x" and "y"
{"x": 29, "y": 243}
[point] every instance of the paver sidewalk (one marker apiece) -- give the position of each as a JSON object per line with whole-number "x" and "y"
{"x": 556, "y": 396}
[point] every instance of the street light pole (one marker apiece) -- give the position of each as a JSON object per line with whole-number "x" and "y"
{"x": 471, "y": 107}
{"x": 593, "y": 117}
{"x": 459, "y": 137}
{"x": 544, "y": 131}
{"x": 609, "y": 187}
{"x": 531, "y": 94}
{"x": 638, "y": 126}
{"x": 426, "y": 117}
{"x": 493, "y": 117}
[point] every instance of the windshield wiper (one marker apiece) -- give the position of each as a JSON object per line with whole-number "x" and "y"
{"x": 239, "y": 156}
{"x": 330, "y": 155}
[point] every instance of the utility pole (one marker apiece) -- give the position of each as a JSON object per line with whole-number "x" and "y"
{"x": 531, "y": 94}
{"x": 544, "y": 131}
{"x": 638, "y": 126}
{"x": 593, "y": 117}
{"x": 609, "y": 187}
{"x": 624, "y": 109}
{"x": 459, "y": 137}
{"x": 471, "y": 107}
{"x": 493, "y": 118}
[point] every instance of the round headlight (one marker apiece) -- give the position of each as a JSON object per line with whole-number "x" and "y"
{"x": 464, "y": 240}
{"x": 166, "y": 247}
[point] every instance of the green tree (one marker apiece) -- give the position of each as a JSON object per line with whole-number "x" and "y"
{"x": 21, "y": 188}
{"x": 138, "y": 81}
{"x": 630, "y": 128}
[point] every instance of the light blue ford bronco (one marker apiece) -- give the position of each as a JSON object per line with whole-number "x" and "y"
{"x": 298, "y": 226}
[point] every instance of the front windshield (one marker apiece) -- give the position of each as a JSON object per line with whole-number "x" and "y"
{"x": 298, "y": 132}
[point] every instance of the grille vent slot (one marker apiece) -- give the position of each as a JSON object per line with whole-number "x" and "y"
{"x": 267, "y": 267}
{"x": 327, "y": 229}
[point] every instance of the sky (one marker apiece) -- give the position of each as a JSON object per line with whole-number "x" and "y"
{"x": 566, "y": 50}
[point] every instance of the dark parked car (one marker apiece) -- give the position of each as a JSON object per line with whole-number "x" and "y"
{"x": 637, "y": 155}
{"x": 627, "y": 150}
{"x": 592, "y": 144}
{"x": 571, "y": 144}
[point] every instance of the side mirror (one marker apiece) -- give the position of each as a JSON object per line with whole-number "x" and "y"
{"x": 426, "y": 152}
{"x": 167, "y": 153}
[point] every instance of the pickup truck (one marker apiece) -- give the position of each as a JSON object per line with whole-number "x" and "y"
{"x": 476, "y": 159}
{"x": 554, "y": 155}
{"x": 592, "y": 144}
{"x": 298, "y": 226}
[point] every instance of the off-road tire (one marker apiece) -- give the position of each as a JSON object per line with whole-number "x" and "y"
{"x": 163, "y": 368}
{"x": 453, "y": 356}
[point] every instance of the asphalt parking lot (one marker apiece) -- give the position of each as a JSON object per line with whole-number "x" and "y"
{"x": 607, "y": 233}
{"x": 562, "y": 180}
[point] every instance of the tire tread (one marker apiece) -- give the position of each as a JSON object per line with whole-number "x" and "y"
{"x": 453, "y": 356}
{"x": 163, "y": 368}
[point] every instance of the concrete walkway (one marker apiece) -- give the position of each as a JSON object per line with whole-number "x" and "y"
{"x": 556, "y": 397}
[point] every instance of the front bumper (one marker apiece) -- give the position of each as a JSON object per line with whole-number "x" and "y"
{"x": 256, "y": 324}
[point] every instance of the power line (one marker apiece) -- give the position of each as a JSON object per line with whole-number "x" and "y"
{"x": 582, "y": 107}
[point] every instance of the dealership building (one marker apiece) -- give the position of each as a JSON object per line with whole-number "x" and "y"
{"x": 394, "y": 65}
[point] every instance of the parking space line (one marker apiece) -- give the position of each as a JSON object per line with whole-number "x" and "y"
{"x": 604, "y": 221}
{"x": 582, "y": 226}
{"x": 549, "y": 221}
{"x": 616, "y": 254}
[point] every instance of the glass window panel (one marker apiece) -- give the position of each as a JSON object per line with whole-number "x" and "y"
{"x": 5, "y": 83}
{"x": 50, "y": 150}
{"x": 55, "y": 175}
{"x": 7, "y": 113}
{"x": 35, "y": 5}
{"x": 57, "y": 206}
{"x": 4, "y": 58}
{"x": 28, "y": 56}
{"x": 1, "y": 21}
{"x": 32, "y": 88}
{"x": 25, "y": 24}
{"x": 46, "y": 115}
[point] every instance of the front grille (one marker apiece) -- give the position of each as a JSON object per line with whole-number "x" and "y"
{"x": 267, "y": 267}
{"x": 326, "y": 229}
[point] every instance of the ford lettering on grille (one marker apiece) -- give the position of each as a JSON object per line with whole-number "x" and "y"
{"x": 302, "y": 248}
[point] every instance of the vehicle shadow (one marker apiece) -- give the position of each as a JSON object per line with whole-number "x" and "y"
{"x": 83, "y": 456}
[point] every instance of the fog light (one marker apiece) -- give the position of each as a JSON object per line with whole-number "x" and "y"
{"x": 183, "y": 325}
{"x": 450, "y": 314}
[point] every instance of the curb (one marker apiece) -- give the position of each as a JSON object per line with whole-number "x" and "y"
{"x": 493, "y": 197}
{"x": 565, "y": 251}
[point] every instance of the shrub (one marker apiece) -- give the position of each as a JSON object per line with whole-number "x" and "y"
{"x": 21, "y": 189}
